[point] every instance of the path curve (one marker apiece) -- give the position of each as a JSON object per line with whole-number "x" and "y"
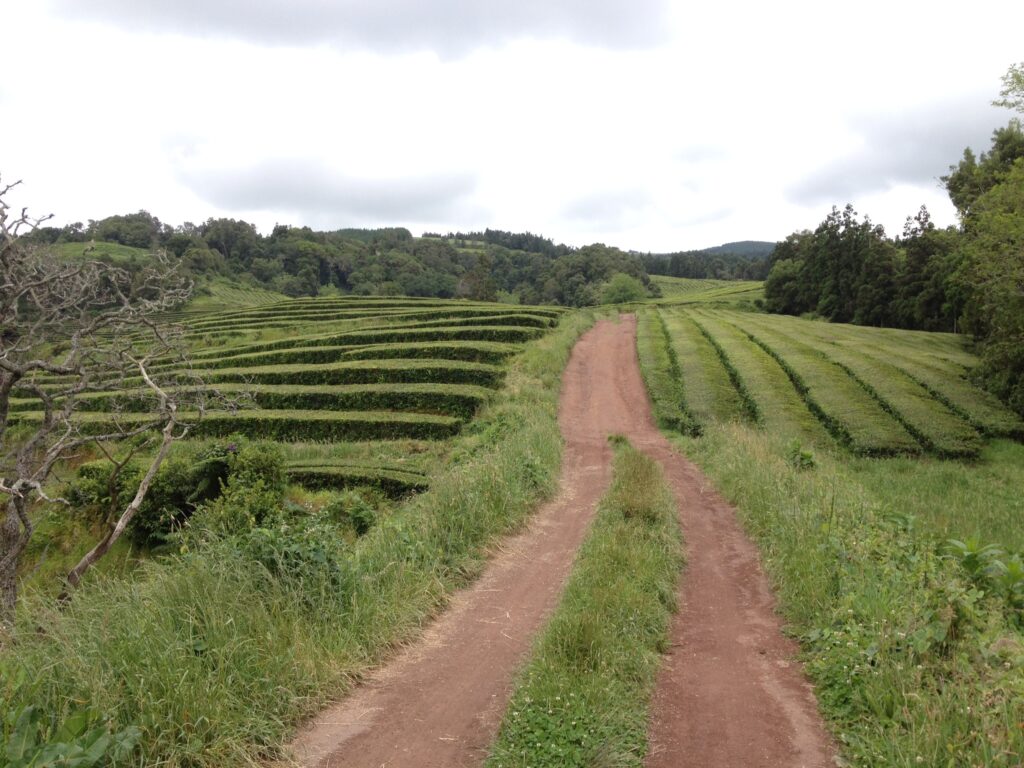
{"x": 729, "y": 693}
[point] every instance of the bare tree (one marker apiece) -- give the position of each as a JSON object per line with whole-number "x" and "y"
{"x": 69, "y": 327}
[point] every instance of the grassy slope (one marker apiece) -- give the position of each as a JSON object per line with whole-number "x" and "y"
{"x": 917, "y": 659}
{"x": 582, "y": 698}
{"x": 216, "y": 660}
{"x": 681, "y": 291}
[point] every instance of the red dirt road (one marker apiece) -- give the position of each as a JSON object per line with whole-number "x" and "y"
{"x": 729, "y": 693}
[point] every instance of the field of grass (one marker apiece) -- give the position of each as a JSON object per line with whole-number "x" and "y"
{"x": 936, "y": 427}
{"x": 115, "y": 253}
{"x": 871, "y": 392}
{"x": 779, "y": 407}
{"x": 683, "y": 290}
{"x": 882, "y": 487}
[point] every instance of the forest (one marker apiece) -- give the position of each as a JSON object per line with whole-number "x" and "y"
{"x": 298, "y": 261}
{"x": 732, "y": 261}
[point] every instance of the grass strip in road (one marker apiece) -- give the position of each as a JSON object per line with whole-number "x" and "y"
{"x": 582, "y": 699}
{"x": 661, "y": 375}
{"x": 216, "y": 659}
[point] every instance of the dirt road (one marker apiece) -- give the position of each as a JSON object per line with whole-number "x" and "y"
{"x": 729, "y": 694}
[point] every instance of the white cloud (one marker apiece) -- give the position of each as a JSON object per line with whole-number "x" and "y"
{"x": 745, "y": 123}
{"x": 305, "y": 186}
{"x": 447, "y": 27}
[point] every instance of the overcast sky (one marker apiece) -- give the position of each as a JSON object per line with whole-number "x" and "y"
{"x": 638, "y": 123}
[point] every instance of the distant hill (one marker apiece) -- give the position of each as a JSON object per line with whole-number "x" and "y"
{"x": 758, "y": 249}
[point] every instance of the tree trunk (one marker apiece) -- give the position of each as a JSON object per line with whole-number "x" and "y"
{"x": 11, "y": 545}
{"x": 104, "y": 545}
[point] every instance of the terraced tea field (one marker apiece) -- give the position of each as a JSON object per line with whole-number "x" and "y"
{"x": 352, "y": 386}
{"x": 874, "y": 392}
{"x": 685, "y": 290}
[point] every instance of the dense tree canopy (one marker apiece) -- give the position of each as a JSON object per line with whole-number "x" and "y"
{"x": 298, "y": 261}
{"x": 711, "y": 264}
{"x": 994, "y": 269}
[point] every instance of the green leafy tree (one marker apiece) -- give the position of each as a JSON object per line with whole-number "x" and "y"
{"x": 994, "y": 269}
{"x": 622, "y": 288}
{"x": 1012, "y": 93}
{"x": 975, "y": 175}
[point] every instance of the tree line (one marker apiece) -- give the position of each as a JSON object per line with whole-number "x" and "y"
{"x": 298, "y": 261}
{"x": 707, "y": 265}
{"x": 967, "y": 278}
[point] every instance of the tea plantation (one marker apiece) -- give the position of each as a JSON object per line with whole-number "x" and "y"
{"x": 874, "y": 392}
{"x": 389, "y": 375}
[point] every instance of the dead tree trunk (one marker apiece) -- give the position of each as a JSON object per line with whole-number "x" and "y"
{"x": 13, "y": 539}
{"x": 104, "y": 545}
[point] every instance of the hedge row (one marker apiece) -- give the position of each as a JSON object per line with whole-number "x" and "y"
{"x": 746, "y": 399}
{"x": 517, "y": 319}
{"x": 459, "y": 400}
{"x": 383, "y": 335}
{"x": 839, "y": 428}
{"x": 662, "y": 378}
{"x": 292, "y": 426}
{"x": 217, "y": 324}
{"x": 473, "y": 351}
{"x": 493, "y": 352}
{"x": 296, "y": 314}
{"x": 376, "y": 371}
{"x": 311, "y": 351}
{"x": 392, "y": 482}
{"x": 364, "y": 372}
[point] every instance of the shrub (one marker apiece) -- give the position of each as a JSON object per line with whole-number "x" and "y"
{"x": 187, "y": 478}
{"x": 354, "y": 509}
{"x": 190, "y": 477}
{"x": 308, "y": 551}
{"x": 798, "y": 456}
{"x": 622, "y": 288}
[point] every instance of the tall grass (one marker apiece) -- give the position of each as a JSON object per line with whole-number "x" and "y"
{"x": 216, "y": 659}
{"x": 582, "y": 699}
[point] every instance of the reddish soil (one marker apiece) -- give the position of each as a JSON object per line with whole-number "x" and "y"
{"x": 729, "y": 693}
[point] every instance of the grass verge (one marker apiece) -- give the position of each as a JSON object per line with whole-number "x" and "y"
{"x": 582, "y": 699}
{"x": 216, "y": 657}
{"x": 915, "y": 646}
